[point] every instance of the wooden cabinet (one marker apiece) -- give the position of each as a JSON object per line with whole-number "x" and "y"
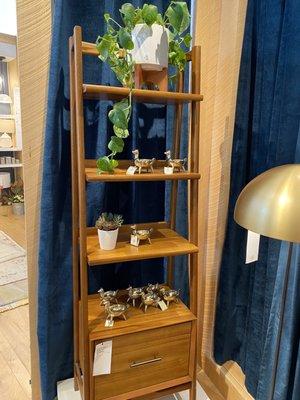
{"x": 144, "y": 359}
{"x": 153, "y": 353}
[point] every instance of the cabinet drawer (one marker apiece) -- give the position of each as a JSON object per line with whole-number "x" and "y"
{"x": 145, "y": 358}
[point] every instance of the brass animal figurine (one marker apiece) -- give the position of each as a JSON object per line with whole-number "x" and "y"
{"x": 110, "y": 295}
{"x": 149, "y": 300}
{"x": 170, "y": 296}
{"x": 141, "y": 234}
{"x": 176, "y": 163}
{"x": 143, "y": 163}
{"x": 153, "y": 287}
{"x": 134, "y": 294}
{"x": 115, "y": 310}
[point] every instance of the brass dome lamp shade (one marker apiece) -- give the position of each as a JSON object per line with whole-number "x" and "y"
{"x": 270, "y": 205}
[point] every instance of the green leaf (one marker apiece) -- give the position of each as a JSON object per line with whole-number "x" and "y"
{"x": 138, "y": 19}
{"x": 149, "y": 14}
{"x": 128, "y": 12}
{"x": 118, "y": 118}
{"x": 121, "y": 133}
{"x": 104, "y": 46}
{"x": 104, "y": 165}
{"x": 106, "y": 17}
{"x": 187, "y": 40}
{"x": 177, "y": 55}
{"x": 125, "y": 39}
{"x": 178, "y": 16}
{"x": 113, "y": 163}
{"x": 124, "y": 106}
{"x": 116, "y": 144}
{"x": 159, "y": 19}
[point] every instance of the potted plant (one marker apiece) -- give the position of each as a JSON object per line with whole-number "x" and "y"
{"x": 147, "y": 38}
{"x": 16, "y": 197}
{"x": 108, "y": 225}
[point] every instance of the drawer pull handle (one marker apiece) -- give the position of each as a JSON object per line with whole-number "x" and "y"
{"x": 139, "y": 363}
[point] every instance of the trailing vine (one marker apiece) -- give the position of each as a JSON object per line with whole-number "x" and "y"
{"x": 115, "y": 48}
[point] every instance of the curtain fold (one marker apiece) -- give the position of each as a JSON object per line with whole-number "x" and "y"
{"x": 266, "y": 135}
{"x": 151, "y": 131}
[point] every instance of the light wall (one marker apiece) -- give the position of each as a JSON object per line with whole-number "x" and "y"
{"x": 219, "y": 29}
{"x": 34, "y": 33}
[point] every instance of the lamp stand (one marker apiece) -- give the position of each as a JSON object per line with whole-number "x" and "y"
{"x": 281, "y": 317}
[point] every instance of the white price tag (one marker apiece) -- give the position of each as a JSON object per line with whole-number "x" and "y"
{"x": 162, "y": 305}
{"x": 109, "y": 323}
{"x": 168, "y": 170}
{"x": 134, "y": 240}
{"x": 102, "y": 358}
{"x": 252, "y": 247}
{"x": 131, "y": 170}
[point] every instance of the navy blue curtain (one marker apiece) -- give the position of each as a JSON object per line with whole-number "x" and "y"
{"x": 266, "y": 135}
{"x": 141, "y": 202}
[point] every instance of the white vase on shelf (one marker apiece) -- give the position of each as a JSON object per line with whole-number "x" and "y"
{"x": 108, "y": 239}
{"x": 151, "y": 47}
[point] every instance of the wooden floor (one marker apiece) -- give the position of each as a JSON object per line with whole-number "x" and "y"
{"x": 14, "y": 328}
{"x": 12, "y": 225}
{"x": 15, "y": 355}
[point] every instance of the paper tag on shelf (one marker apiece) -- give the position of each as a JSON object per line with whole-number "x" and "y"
{"x": 252, "y": 247}
{"x": 131, "y": 170}
{"x": 102, "y": 358}
{"x": 134, "y": 240}
{"x": 168, "y": 170}
{"x": 162, "y": 305}
{"x": 109, "y": 323}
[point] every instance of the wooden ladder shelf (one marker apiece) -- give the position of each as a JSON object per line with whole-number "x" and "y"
{"x": 154, "y": 353}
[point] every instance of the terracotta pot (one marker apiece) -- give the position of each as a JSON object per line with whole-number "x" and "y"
{"x": 108, "y": 239}
{"x": 151, "y": 46}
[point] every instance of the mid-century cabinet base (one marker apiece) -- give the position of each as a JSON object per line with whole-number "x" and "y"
{"x": 150, "y": 351}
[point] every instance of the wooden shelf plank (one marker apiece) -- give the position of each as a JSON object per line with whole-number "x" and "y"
{"x": 165, "y": 242}
{"x": 6, "y": 149}
{"x": 143, "y": 96}
{"x": 137, "y": 320}
{"x": 11, "y": 165}
{"x": 92, "y": 174}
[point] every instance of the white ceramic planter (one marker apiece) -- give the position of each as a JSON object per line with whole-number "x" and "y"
{"x": 108, "y": 239}
{"x": 18, "y": 208}
{"x": 151, "y": 46}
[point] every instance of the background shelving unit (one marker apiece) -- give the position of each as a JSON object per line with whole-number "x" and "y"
{"x": 165, "y": 340}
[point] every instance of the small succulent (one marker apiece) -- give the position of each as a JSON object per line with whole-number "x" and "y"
{"x": 109, "y": 221}
{"x": 16, "y": 192}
